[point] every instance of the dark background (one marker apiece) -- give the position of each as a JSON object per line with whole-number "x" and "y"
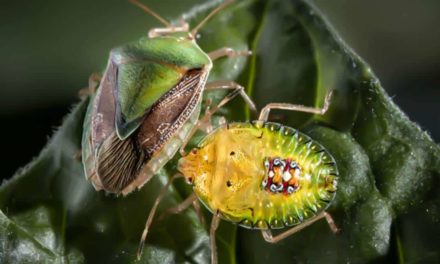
{"x": 49, "y": 48}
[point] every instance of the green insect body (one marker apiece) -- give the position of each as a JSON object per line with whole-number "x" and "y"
{"x": 147, "y": 102}
{"x": 261, "y": 175}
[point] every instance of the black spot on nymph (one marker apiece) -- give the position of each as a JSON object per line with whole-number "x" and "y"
{"x": 232, "y": 153}
{"x": 228, "y": 183}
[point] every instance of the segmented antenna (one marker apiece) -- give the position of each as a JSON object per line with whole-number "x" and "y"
{"x": 151, "y": 12}
{"x": 213, "y": 12}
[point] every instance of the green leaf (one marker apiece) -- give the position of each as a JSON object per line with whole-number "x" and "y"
{"x": 387, "y": 203}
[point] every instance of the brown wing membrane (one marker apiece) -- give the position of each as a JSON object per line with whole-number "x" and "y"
{"x": 119, "y": 161}
{"x": 170, "y": 112}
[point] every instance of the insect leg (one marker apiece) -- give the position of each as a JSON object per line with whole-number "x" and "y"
{"x": 331, "y": 223}
{"x": 180, "y": 207}
{"x": 237, "y": 89}
{"x": 94, "y": 81}
{"x": 192, "y": 199}
{"x": 264, "y": 114}
{"x": 198, "y": 209}
{"x": 204, "y": 121}
{"x": 225, "y": 51}
{"x": 267, "y": 234}
{"x": 191, "y": 134}
{"x": 153, "y": 212}
{"x": 214, "y": 225}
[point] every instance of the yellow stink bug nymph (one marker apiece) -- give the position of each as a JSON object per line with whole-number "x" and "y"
{"x": 262, "y": 175}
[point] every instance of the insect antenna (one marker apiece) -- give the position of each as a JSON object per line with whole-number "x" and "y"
{"x": 151, "y": 12}
{"x": 213, "y": 12}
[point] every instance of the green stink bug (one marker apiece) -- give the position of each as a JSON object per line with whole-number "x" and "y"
{"x": 147, "y": 105}
{"x": 261, "y": 175}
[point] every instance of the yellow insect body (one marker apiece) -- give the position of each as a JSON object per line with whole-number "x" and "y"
{"x": 237, "y": 169}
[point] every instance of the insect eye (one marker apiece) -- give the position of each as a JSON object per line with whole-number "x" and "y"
{"x": 276, "y": 162}
{"x": 228, "y": 183}
{"x": 194, "y": 151}
{"x": 232, "y": 153}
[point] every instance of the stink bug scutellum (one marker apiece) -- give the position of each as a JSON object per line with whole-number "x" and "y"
{"x": 261, "y": 175}
{"x": 148, "y": 103}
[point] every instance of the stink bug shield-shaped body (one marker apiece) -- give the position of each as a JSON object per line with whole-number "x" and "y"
{"x": 147, "y": 105}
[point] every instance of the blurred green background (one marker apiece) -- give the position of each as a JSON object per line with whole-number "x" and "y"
{"x": 49, "y": 48}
